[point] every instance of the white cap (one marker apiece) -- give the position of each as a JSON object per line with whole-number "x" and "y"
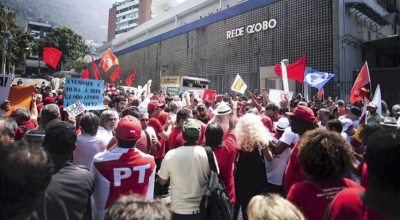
{"x": 53, "y": 91}
{"x": 282, "y": 124}
{"x": 346, "y": 124}
{"x": 373, "y": 105}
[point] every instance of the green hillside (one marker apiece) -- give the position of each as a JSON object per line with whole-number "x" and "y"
{"x": 88, "y": 18}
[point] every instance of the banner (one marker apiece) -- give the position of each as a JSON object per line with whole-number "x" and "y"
{"x": 21, "y": 96}
{"x": 75, "y": 109}
{"x": 208, "y": 94}
{"x": 5, "y": 84}
{"x": 89, "y": 91}
{"x": 317, "y": 79}
{"x": 239, "y": 85}
{"x": 277, "y": 96}
{"x": 285, "y": 77}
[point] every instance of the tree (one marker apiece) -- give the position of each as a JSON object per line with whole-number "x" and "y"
{"x": 21, "y": 45}
{"x": 65, "y": 40}
{"x": 7, "y": 21}
{"x": 78, "y": 65}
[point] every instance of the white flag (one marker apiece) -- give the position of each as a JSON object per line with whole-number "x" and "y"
{"x": 378, "y": 99}
{"x": 239, "y": 85}
{"x": 285, "y": 77}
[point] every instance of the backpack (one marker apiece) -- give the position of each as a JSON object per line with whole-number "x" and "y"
{"x": 215, "y": 202}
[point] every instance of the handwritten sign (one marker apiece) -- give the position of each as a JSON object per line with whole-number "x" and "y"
{"x": 277, "y": 96}
{"x": 5, "y": 82}
{"x": 89, "y": 91}
{"x": 75, "y": 109}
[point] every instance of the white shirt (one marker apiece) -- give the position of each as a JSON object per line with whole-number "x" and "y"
{"x": 172, "y": 116}
{"x": 87, "y": 146}
{"x": 321, "y": 126}
{"x": 189, "y": 171}
{"x": 104, "y": 131}
{"x": 289, "y": 137}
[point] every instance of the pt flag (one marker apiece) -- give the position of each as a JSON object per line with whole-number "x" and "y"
{"x": 85, "y": 74}
{"x": 108, "y": 60}
{"x": 208, "y": 94}
{"x": 129, "y": 81}
{"x": 317, "y": 79}
{"x": 96, "y": 71}
{"x": 362, "y": 80}
{"x": 294, "y": 70}
{"x": 239, "y": 85}
{"x": 51, "y": 56}
{"x": 116, "y": 74}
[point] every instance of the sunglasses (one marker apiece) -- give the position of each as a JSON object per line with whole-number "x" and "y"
{"x": 112, "y": 119}
{"x": 144, "y": 120}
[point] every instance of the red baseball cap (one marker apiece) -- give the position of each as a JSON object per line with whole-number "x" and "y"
{"x": 162, "y": 101}
{"x": 128, "y": 129}
{"x": 304, "y": 113}
{"x": 219, "y": 96}
{"x": 152, "y": 104}
{"x": 258, "y": 98}
{"x": 48, "y": 100}
{"x": 168, "y": 93}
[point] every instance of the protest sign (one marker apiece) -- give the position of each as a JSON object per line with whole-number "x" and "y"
{"x": 198, "y": 94}
{"x": 21, "y": 96}
{"x": 208, "y": 94}
{"x": 5, "y": 83}
{"x": 239, "y": 85}
{"x": 277, "y": 96}
{"x": 75, "y": 109}
{"x": 89, "y": 91}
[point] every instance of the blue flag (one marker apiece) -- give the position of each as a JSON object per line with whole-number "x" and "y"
{"x": 317, "y": 79}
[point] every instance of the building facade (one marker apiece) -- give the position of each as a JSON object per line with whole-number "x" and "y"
{"x": 33, "y": 63}
{"x": 126, "y": 15}
{"x": 219, "y": 39}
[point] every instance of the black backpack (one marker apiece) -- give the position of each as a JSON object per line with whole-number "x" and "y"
{"x": 215, "y": 202}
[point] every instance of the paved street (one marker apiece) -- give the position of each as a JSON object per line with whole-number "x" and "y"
{"x": 30, "y": 81}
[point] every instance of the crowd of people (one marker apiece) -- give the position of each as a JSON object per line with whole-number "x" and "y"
{"x": 143, "y": 157}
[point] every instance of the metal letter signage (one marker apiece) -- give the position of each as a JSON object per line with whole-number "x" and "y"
{"x": 251, "y": 29}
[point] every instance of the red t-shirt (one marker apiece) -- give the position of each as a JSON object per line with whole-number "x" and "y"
{"x": 31, "y": 124}
{"x": 142, "y": 144}
{"x": 267, "y": 122}
{"x": 294, "y": 170}
{"x": 311, "y": 201}
{"x": 348, "y": 205}
{"x": 225, "y": 157}
{"x": 362, "y": 168}
{"x": 202, "y": 133}
{"x": 342, "y": 111}
{"x": 163, "y": 118}
{"x": 156, "y": 125}
{"x": 175, "y": 138}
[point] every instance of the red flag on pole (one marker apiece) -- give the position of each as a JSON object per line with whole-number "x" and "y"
{"x": 96, "y": 71}
{"x": 362, "y": 80}
{"x": 116, "y": 74}
{"x": 208, "y": 94}
{"x": 294, "y": 70}
{"x": 85, "y": 74}
{"x": 108, "y": 60}
{"x": 51, "y": 56}
{"x": 129, "y": 81}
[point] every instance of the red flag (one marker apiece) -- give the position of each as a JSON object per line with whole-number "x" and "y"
{"x": 116, "y": 74}
{"x": 294, "y": 70}
{"x": 362, "y": 80}
{"x": 320, "y": 93}
{"x": 129, "y": 81}
{"x": 85, "y": 74}
{"x": 108, "y": 60}
{"x": 96, "y": 71}
{"x": 208, "y": 94}
{"x": 51, "y": 56}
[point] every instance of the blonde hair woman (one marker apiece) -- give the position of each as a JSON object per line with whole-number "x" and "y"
{"x": 253, "y": 139}
{"x": 271, "y": 207}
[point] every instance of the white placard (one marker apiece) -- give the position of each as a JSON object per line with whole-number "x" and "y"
{"x": 198, "y": 94}
{"x": 277, "y": 96}
{"x": 239, "y": 85}
{"x": 5, "y": 83}
{"x": 75, "y": 109}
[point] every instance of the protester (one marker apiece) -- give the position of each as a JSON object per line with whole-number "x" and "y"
{"x": 389, "y": 123}
{"x": 272, "y": 206}
{"x": 253, "y": 140}
{"x": 108, "y": 121}
{"x": 175, "y": 139}
{"x": 25, "y": 173}
{"x": 302, "y": 119}
{"x": 123, "y": 170}
{"x": 90, "y": 142}
{"x": 68, "y": 194}
{"x": 202, "y": 114}
{"x": 276, "y": 168}
{"x": 381, "y": 199}
{"x": 152, "y": 145}
{"x": 119, "y": 104}
{"x": 225, "y": 149}
{"x": 173, "y": 109}
{"x": 348, "y": 130}
{"x": 135, "y": 208}
{"x": 8, "y": 127}
{"x": 325, "y": 178}
{"x": 372, "y": 107}
{"x": 187, "y": 168}
{"x": 323, "y": 116}
{"x": 335, "y": 125}
{"x": 49, "y": 113}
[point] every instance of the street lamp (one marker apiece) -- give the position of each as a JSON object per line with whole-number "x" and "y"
{"x": 8, "y": 37}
